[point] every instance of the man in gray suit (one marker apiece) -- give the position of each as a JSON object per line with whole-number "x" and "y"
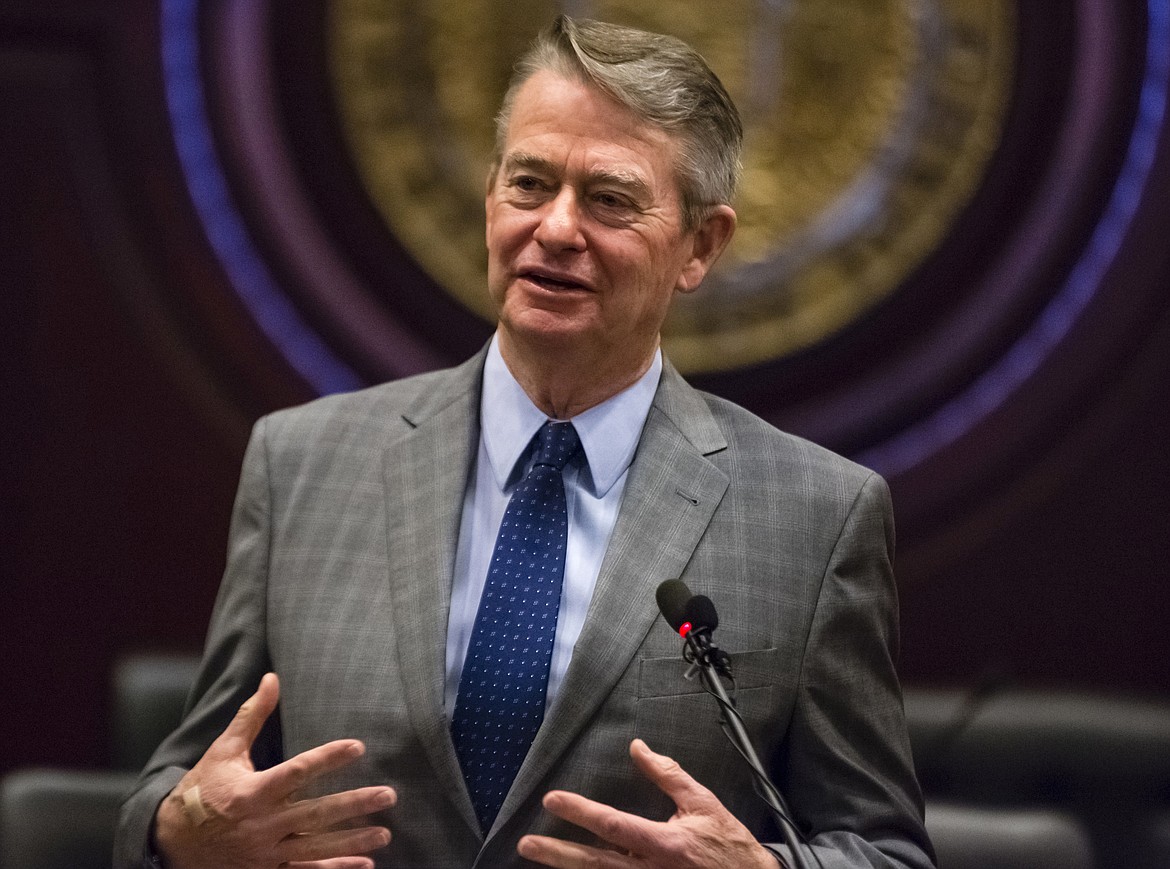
{"x": 365, "y": 525}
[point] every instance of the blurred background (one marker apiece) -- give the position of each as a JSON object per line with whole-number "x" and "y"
{"x": 954, "y": 267}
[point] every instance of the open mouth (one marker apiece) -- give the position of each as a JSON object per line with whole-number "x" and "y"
{"x": 552, "y": 284}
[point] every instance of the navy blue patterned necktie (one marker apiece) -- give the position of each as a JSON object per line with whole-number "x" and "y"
{"x": 502, "y": 690}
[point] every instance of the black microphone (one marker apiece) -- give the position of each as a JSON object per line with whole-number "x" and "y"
{"x": 701, "y": 613}
{"x": 673, "y": 597}
{"x": 694, "y": 617}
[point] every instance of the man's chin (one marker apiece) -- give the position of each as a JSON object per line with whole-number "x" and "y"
{"x": 553, "y": 340}
{"x": 557, "y": 327}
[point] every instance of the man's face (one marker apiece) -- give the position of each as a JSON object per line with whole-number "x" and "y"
{"x": 584, "y": 225}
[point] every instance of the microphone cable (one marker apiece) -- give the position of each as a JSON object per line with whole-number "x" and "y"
{"x": 694, "y": 618}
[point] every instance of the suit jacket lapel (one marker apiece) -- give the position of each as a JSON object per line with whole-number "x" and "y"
{"x": 426, "y": 476}
{"x": 671, "y": 493}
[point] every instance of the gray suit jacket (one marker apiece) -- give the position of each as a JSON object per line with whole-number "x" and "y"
{"x": 338, "y": 578}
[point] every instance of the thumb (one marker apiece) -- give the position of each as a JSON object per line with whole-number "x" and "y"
{"x": 250, "y": 718}
{"x": 669, "y": 777}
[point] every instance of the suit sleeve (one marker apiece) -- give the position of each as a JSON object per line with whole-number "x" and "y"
{"x": 234, "y": 660}
{"x": 847, "y": 767}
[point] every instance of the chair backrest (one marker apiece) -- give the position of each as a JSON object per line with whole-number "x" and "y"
{"x": 1102, "y": 760}
{"x": 1029, "y": 745}
{"x": 149, "y": 696}
{"x": 60, "y": 819}
{"x": 967, "y": 837}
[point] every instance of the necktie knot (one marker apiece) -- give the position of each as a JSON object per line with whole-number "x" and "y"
{"x": 556, "y": 443}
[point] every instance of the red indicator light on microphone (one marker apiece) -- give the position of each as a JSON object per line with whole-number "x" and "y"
{"x": 685, "y": 629}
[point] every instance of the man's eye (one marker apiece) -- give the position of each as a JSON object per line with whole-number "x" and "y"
{"x": 609, "y": 200}
{"x": 526, "y": 183}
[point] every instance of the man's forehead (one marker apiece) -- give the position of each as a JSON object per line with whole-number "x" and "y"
{"x": 553, "y": 103}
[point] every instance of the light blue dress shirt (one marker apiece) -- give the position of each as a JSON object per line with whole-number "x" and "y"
{"x": 609, "y": 434}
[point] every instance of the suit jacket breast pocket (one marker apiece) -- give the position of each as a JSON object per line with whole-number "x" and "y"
{"x": 666, "y": 677}
{"x": 677, "y": 717}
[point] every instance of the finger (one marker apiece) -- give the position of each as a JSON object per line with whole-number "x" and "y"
{"x": 285, "y": 779}
{"x": 338, "y": 863}
{"x": 627, "y": 832}
{"x": 333, "y": 844}
{"x": 568, "y": 855}
{"x": 243, "y": 729}
{"x": 670, "y": 778}
{"x": 321, "y": 813}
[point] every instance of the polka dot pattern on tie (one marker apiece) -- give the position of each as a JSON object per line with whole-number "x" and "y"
{"x": 502, "y": 690}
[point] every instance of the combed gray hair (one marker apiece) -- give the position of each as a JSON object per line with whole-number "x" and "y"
{"x": 659, "y": 78}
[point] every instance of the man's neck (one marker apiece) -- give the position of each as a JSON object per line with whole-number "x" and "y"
{"x": 564, "y": 384}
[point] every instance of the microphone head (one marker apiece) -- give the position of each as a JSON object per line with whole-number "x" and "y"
{"x": 673, "y": 599}
{"x": 700, "y": 612}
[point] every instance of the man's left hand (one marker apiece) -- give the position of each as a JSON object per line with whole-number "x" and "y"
{"x": 702, "y": 833}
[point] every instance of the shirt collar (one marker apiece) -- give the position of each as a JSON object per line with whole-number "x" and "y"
{"x": 609, "y": 431}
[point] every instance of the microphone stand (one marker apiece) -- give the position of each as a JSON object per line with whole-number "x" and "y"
{"x": 710, "y": 663}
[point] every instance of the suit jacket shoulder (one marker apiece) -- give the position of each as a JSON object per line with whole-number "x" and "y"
{"x": 754, "y": 452}
{"x": 376, "y": 415}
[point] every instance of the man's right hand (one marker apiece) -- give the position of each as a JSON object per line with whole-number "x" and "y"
{"x": 243, "y": 819}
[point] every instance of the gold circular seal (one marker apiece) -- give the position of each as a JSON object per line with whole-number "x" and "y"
{"x": 868, "y": 125}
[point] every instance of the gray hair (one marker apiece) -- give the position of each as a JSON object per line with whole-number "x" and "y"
{"x": 659, "y": 78}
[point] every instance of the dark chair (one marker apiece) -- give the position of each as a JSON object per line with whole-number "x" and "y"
{"x": 1049, "y": 744}
{"x": 64, "y": 819}
{"x": 59, "y": 819}
{"x": 149, "y": 695}
{"x": 971, "y": 837}
{"x": 1101, "y": 760}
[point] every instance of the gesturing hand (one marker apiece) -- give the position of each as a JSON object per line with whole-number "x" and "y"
{"x": 702, "y": 833}
{"x": 239, "y": 818}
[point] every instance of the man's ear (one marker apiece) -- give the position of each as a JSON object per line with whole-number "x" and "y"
{"x": 709, "y": 241}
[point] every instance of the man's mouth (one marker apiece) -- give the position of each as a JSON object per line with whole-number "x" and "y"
{"x": 553, "y": 283}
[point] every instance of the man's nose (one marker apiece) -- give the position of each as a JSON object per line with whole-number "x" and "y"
{"x": 560, "y": 222}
